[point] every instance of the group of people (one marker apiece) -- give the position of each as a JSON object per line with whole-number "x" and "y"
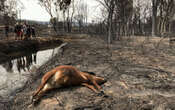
{"x": 24, "y": 31}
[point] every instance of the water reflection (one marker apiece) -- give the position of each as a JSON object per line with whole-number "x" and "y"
{"x": 22, "y": 63}
{"x": 25, "y": 62}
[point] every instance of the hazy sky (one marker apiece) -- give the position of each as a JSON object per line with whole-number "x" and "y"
{"x": 33, "y": 11}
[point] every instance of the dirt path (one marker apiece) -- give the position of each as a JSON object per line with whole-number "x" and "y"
{"x": 140, "y": 77}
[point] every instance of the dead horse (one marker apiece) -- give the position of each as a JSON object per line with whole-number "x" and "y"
{"x": 66, "y": 75}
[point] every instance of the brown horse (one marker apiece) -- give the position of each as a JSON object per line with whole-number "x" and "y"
{"x": 63, "y": 76}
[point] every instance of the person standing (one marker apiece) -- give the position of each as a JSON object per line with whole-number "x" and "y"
{"x": 24, "y": 30}
{"x": 33, "y": 31}
{"x": 16, "y": 31}
{"x": 6, "y": 31}
{"x": 19, "y": 31}
{"x": 28, "y": 32}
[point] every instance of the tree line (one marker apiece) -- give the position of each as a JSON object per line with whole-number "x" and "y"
{"x": 138, "y": 17}
{"x": 9, "y": 11}
{"x": 117, "y": 17}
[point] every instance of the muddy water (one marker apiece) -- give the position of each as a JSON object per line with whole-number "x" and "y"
{"x": 14, "y": 73}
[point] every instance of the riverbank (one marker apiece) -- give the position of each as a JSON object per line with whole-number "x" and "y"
{"x": 140, "y": 74}
{"x": 12, "y": 48}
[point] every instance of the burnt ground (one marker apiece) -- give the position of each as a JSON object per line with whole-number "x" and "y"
{"x": 139, "y": 72}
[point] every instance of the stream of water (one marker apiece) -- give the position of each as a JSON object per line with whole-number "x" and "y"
{"x": 14, "y": 73}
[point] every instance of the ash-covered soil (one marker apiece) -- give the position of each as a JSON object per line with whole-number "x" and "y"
{"x": 139, "y": 72}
